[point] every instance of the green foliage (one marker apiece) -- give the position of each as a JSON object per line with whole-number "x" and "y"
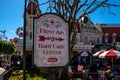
{"x": 7, "y": 47}
{"x": 18, "y": 75}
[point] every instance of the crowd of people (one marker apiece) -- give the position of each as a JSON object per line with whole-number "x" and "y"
{"x": 111, "y": 68}
{"x": 10, "y": 61}
{"x": 111, "y": 71}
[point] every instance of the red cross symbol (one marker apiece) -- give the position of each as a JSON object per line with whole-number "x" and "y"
{"x": 52, "y": 22}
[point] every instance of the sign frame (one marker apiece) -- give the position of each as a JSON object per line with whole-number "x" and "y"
{"x": 51, "y": 41}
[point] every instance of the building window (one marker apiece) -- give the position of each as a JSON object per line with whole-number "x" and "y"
{"x": 84, "y": 29}
{"x": 114, "y": 38}
{"x": 106, "y": 37}
{"x": 98, "y": 40}
{"x": 101, "y": 40}
{"x": 88, "y": 29}
{"x": 30, "y": 35}
{"x": 26, "y": 22}
{"x": 86, "y": 38}
{"x": 26, "y": 33}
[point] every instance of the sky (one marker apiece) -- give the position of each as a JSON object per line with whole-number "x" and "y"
{"x": 11, "y": 16}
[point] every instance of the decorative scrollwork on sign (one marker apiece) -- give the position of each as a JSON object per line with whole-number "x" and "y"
{"x": 51, "y": 22}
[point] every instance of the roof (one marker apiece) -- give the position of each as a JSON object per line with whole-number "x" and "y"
{"x": 111, "y": 29}
{"x": 85, "y": 19}
{"x": 32, "y": 8}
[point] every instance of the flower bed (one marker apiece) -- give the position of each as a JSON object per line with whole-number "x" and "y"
{"x": 18, "y": 75}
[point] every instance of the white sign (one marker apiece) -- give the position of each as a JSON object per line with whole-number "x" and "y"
{"x": 51, "y": 43}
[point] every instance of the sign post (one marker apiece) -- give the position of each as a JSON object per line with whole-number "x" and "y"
{"x": 51, "y": 41}
{"x": 24, "y": 43}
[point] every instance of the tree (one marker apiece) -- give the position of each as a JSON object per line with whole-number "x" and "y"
{"x": 7, "y": 47}
{"x": 74, "y": 10}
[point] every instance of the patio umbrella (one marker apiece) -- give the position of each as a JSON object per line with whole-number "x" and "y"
{"x": 85, "y": 53}
{"x": 99, "y": 52}
{"x": 110, "y": 54}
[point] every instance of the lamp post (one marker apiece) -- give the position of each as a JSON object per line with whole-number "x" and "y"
{"x": 24, "y": 42}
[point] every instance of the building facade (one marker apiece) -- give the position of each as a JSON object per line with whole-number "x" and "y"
{"x": 111, "y": 35}
{"x": 87, "y": 36}
{"x": 31, "y": 12}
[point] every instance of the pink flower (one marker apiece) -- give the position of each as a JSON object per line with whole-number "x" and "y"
{"x": 11, "y": 40}
{"x": 15, "y": 40}
{"x": 16, "y": 47}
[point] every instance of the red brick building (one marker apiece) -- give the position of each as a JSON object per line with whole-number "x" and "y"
{"x": 111, "y": 35}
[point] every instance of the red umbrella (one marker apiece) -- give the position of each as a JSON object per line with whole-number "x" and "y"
{"x": 110, "y": 54}
{"x": 99, "y": 52}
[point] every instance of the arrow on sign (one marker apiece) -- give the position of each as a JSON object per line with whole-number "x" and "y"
{"x": 43, "y": 38}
